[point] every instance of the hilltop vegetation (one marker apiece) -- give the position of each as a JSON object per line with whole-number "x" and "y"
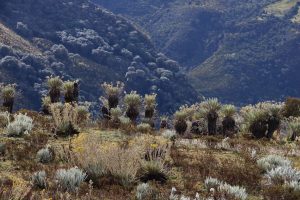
{"x": 205, "y": 151}
{"x": 78, "y": 40}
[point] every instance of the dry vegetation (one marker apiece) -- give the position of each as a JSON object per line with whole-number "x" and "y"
{"x": 64, "y": 154}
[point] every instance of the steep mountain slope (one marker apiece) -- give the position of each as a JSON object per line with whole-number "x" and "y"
{"x": 78, "y": 40}
{"x": 257, "y": 60}
{"x": 239, "y": 51}
{"x": 188, "y": 31}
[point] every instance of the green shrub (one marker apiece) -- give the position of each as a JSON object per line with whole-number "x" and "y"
{"x": 69, "y": 87}
{"x": 113, "y": 93}
{"x": 150, "y": 105}
{"x": 210, "y": 109}
{"x": 228, "y": 122}
{"x": 144, "y": 128}
{"x": 292, "y": 107}
{"x": 65, "y": 118}
{"x": 133, "y": 103}
{"x": 262, "y": 119}
{"x": 8, "y": 93}
{"x": 295, "y": 128}
{"x": 4, "y": 119}
{"x": 46, "y": 101}
{"x": 55, "y": 86}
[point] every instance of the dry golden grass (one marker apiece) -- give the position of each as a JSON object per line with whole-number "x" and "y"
{"x": 281, "y": 7}
{"x": 8, "y": 37}
{"x": 123, "y": 155}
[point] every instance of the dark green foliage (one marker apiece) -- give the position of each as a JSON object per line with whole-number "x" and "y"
{"x": 259, "y": 129}
{"x": 164, "y": 123}
{"x": 212, "y": 117}
{"x": 105, "y": 113}
{"x": 113, "y": 101}
{"x": 149, "y": 113}
{"x": 132, "y": 113}
{"x": 8, "y": 104}
{"x": 228, "y": 124}
{"x": 98, "y": 49}
{"x": 2, "y": 149}
{"x": 54, "y": 95}
{"x": 273, "y": 125}
{"x": 66, "y": 129}
{"x": 180, "y": 126}
{"x": 154, "y": 176}
{"x": 292, "y": 107}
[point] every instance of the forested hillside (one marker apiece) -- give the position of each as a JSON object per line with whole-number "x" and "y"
{"x": 239, "y": 51}
{"x": 78, "y": 40}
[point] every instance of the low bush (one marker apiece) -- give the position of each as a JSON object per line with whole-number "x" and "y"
{"x": 44, "y": 155}
{"x": 292, "y": 107}
{"x": 4, "y": 119}
{"x": 144, "y": 128}
{"x": 99, "y": 158}
{"x": 22, "y": 124}
{"x": 224, "y": 190}
{"x": 70, "y": 180}
{"x": 282, "y": 174}
{"x": 38, "y": 179}
{"x": 273, "y": 161}
{"x": 65, "y": 118}
{"x": 142, "y": 191}
{"x": 169, "y": 134}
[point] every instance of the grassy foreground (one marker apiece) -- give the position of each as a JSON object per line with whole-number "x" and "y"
{"x": 117, "y": 161}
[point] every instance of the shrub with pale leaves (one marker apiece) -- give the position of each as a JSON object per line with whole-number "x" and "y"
{"x": 228, "y": 110}
{"x": 99, "y": 158}
{"x": 210, "y": 105}
{"x": 71, "y": 179}
{"x": 273, "y": 161}
{"x": 294, "y": 185}
{"x": 225, "y": 190}
{"x": 150, "y": 101}
{"x": 143, "y": 191}
{"x": 235, "y": 192}
{"x": 144, "y": 128}
{"x": 21, "y": 125}
{"x": 44, "y": 155}
{"x": 169, "y": 134}
{"x": 295, "y": 128}
{"x": 282, "y": 174}
{"x": 55, "y": 83}
{"x": 133, "y": 100}
{"x": 38, "y": 179}
{"x": 113, "y": 90}
{"x": 212, "y": 183}
{"x": 174, "y": 196}
{"x": 65, "y": 118}
{"x": 4, "y": 119}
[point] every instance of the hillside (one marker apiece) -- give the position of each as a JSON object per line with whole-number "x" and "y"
{"x": 78, "y": 40}
{"x": 252, "y": 153}
{"x": 238, "y": 51}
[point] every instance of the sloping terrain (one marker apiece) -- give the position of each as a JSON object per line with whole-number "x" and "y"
{"x": 79, "y": 40}
{"x": 239, "y": 51}
{"x": 257, "y": 60}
